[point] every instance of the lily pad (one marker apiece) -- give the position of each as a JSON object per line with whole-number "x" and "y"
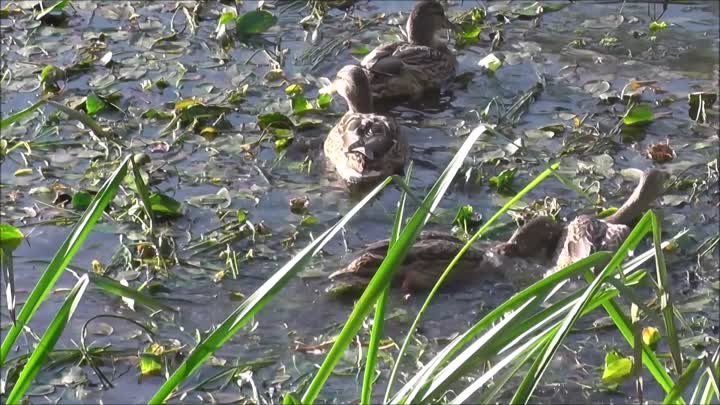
{"x": 617, "y": 368}
{"x": 165, "y": 206}
{"x": 274, "y": 120}
{"x": 255, "y": 22}
{"x": 94, "y": 104}
{"x": 639, "y": 115}
{"x": 300, "y": 105}
{"x": 491, "y": 63}
{"x": 10, "y": 237}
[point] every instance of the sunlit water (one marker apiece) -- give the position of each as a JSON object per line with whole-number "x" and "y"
{"x": 682, "y": 59}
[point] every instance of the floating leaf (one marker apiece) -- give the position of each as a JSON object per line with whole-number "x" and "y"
{"x": 94, "y": 104}
{"x": 490, "y": 62}
{"x": 617, "y": 368}
{"x": 10, "y": 237}
{"x": 293, "y": 90}
{"x": 466, "y": 217}
{"x": 150, "y": 364}
{"x": 323, "y": 101}
{"x": 209, "y": 133}
{"x": 255, "y": 22}
{"x": 274, "y": 120}
{"x": 360, "y": 51}
{"x": 165, "y": 206}
{"x": 657, "y": 26}
{"x": 468, "y": 35}
{"x": 503, "y": 181}
{"x": 639, "y": 115}
{"x": 226, "y": 17}
{"x": 23, "y": 172}
{"x": 300, "y": 105}
{"x": 81, "y": 200}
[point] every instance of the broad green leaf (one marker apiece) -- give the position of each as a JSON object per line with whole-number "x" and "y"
{"x": 490, "y": 62}
{"x": 255, "y": 22}
{"x": 274, "y": 120}
{"x": 94, "y": 104}
{"x": 503, "y": 181}
{"x": 639, "y": 115}
{"x": 360, "y": 51}
{"x": 293, "y": 90}
{"x": 47, "y": 342}
{"x": 10, "y": 238}
{"x": 617, "y": 368}
{"x": 324, "y": 100}
{"x": 300, "y": 105}
{"x": 226, "y": 17}
{"x": 657, "y": 26}
{"x": 164, "y": 206}
{"x": 150, "y": 364}
{"x": 81, "y": 200}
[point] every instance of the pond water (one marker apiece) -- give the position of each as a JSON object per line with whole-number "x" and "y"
{"x": 583, "y": 51}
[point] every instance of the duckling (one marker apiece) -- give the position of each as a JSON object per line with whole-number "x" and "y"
{"x": 410, "y": 69}
{"x": 432, "y": 252}
{"x": 363, "y": 146}
{"x": 586, "y": 235}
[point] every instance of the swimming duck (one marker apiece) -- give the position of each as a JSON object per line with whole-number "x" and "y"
{"x": 363, "y": 145}
{"x": 586, "y": 235}
{"x": 432, "y": 252}
{"x": 409, "y": 69}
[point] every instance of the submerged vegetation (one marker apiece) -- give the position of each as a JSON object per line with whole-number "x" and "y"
{"x": 168, "y": 217}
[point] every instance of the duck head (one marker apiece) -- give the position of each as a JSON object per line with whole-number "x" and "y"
{"x": 426, "y": 18}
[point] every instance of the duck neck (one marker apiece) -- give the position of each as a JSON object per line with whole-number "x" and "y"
{"x": 638, "y": 202}
{"x": 359, "y": 99}
{"x": 418, "y": 33}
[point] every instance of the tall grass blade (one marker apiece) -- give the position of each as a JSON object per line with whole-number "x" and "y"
{"x": 393, "y": 258}
{"x": 539, "y": 179}
{"x": 532, "y": 379}
{"x": 64, "y": 256}
{"x": 683, "y": 382}
{"x": 113, "y": 287}
{"x": 20, "y": 114}
{"x": 379, "y": 319}
{"x": 254, "y": 303}
{"x": 47, "y": 343}
{"x": 666, "y": 304}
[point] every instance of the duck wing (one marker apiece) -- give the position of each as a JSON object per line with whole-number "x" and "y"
{"x": 582, "y": 237}
{"x": 381, "y": 60}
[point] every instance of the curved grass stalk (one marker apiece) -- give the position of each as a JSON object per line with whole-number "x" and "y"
{"x": 379, "y": 318}
{"x": 539, "y": 179}
{"x": 64, "y": 256}
{"x": 254, "y": 303}
{"x": 541, "y": 364}
{"x": 48, "y": 341}
{"x": 393, "y": 258}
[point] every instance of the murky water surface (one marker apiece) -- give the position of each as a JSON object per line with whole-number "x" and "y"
{"x": 680, "y": 60}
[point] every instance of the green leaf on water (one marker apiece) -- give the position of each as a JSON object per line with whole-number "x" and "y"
{"x": 651, "y": 336}
{"x": 165, "y": 206}
{"x": 617, "y": 368}
{"x": 81, "y": 200}
{"x": 47, "y": 73}
{"x": 465, "y": 217}
{"x": 360, "y": 51}
{"x": 469, "y": 35}
{"x": 6, "y": 122}
{"x": 300, "y": 105}
{"x": 293, "y": 90}
{"x": 255, "y": 22}
{"x": 639, "y": 115}
{"x": 502, "y": 183}
{"x": 226, "y": 17}
{"x": 323, "y": 101}
{"x": 274, "y": 120}
{"x": 657, "y": 26}
{"x": 491, "y": 62}
{"x": 10, "y": 237}
{"x": 94, "y": 104}
{"x": 150, "y": 364}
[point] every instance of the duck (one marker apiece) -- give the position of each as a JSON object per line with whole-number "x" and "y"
{"x": 412, "y": 68}
{"x": 363, "y": 146}
{"x": 526, "y": 251}
{"x": 586, "y": 234}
